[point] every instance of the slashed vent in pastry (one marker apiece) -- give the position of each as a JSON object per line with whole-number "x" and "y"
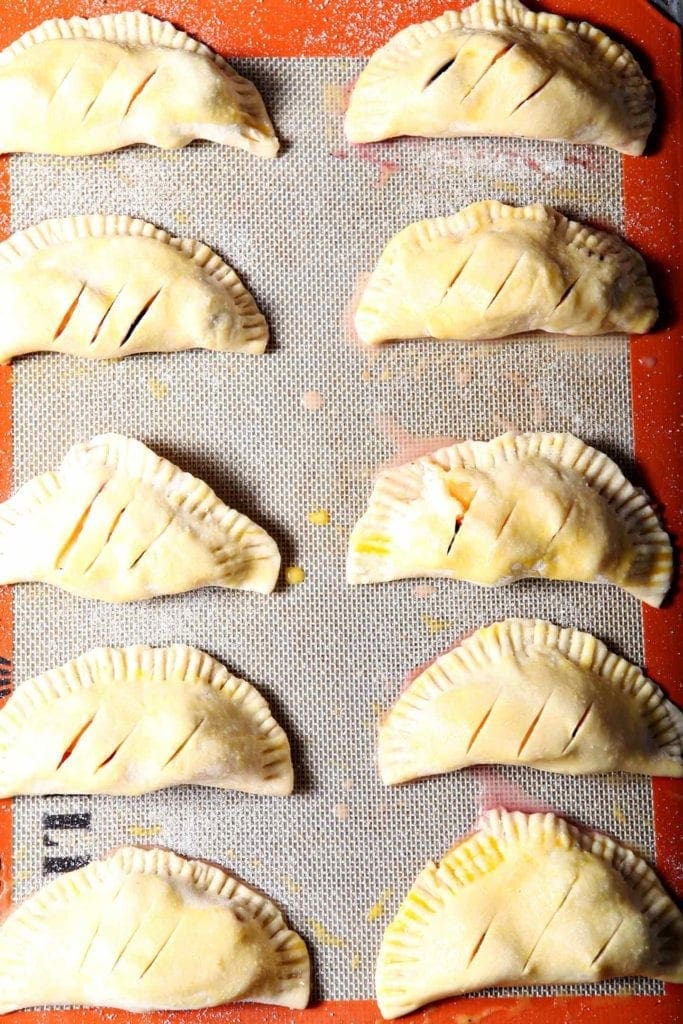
{"x": 129, "y": 721}
{"x": 520, "y": 505}
{"x": 105, "y": 287}
{"x": 119, "y": 523}
{"x": 528, "y": 692}
{"x": 493, "y": 270}
{"x": 146, "y": 929}
{"x": 528, "y": 900}
{"x": 88, "y": 85}
{"x": 497, "y": 68}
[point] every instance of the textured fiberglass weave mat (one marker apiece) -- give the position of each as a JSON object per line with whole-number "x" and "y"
{"x": 302, "y": 428}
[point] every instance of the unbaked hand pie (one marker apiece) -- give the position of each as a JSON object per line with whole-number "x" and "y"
{"x": 107, "y": 287}
{"x": 119, "y": 523}
{"x": 493, "y": 270}
{"x": 527, "y": 692}
{"x": 528, "y": 899}
{"x": 497, "y": 68}
{"x": 145, "y": 930}
{"x": 88, "y": 85}
{"x": 521, "y": 505}
{"x": 133, "y": 720}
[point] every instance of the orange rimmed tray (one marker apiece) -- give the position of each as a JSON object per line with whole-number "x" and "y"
{"x": 654, "y": 223}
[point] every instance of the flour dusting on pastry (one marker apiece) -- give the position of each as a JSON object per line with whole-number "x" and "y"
{"x": 138, "y": 719}
{"x": 106, "y": 287}
{"x": 120, "y": 932}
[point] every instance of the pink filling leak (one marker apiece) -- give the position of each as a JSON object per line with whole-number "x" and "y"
{"x": 409, "y": 446}
{"x": 497, "y": 791}
{"x": 312, "y": 400}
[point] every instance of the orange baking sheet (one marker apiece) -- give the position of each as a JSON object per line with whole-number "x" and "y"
{"x": 654, "y": 225}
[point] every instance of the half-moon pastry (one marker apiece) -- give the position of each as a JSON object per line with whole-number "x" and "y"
{"x": 88, "y": 85}
{"x": 528, "y": 899}
{"x": 117, "y": 522}
{"x": 105, "y": 287}
{"x": 493, "y": 270}
{"x": 521, "y": 505}
{"x": 525, "y": 691}
{"x": 138, "y": 719}
{"x": 497, "y": 68}
{"x": 118, "y": 933}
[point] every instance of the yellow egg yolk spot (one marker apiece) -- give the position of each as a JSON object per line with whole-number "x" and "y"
{"x": 319, "y": 517}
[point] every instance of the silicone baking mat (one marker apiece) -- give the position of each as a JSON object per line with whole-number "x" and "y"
{"x": 301, "y": 429}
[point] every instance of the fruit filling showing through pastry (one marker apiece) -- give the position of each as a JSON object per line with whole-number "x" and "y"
{"x": 492, "y": 271}
{"x": 112, "y": 286}
{"x": 138, "y": 719}
{"x": 525, "y": 505}
{"x": 117, "y": 522}
{"x": 463, "y": 494}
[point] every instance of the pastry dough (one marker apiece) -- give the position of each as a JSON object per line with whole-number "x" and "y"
{"x": 134, "y": 720}
{"x": 89, "y": 85}
{"x": 108, "y": 287}
{"x": 145, "y": 930}
{"x": 497, "y": 68}
{"x": 520, "y": 505}
{"x": 118, "y": 523}
{"x": 494, "y": 270}
{"x": 528, "y": 899}
{"x": 528, "y": 692}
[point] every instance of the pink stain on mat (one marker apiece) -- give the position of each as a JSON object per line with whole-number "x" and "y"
{"x": 368, "y": 154}
{"x": 533, "y": 165}
{"x": 336, "y": 98}
{"x": 423, "y": 590}
{"x": 497, "y": 791}
{"x": 344, "y": 95}
{"x": 505, "y": 426}
{"x": 461, "y": 376}
{"x": 409, "y": 447}
{"x": 589, "y": 162}
{"x": 385, "y": 167}
{"x": 312, "y": 400}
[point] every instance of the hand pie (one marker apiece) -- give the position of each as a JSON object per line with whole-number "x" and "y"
{"x": 494, "y": 270}
{"x": 135, "y": 720}
{"x": 527, "y": 900}
{"x": 528, "y": 692}
{"x": 118, "y": 933}
{"x": 117, "y": 522}
{"x": 497, "y": 68}
{"x": 110, "y": 287}
{"x": 521, "y": 505}
{"x": 89, "y": 85}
